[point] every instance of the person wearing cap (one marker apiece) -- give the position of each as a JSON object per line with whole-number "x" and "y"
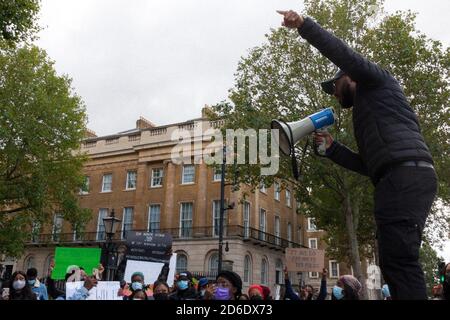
{"x": 391, "y": 151}
{"x": 184, "y": 288}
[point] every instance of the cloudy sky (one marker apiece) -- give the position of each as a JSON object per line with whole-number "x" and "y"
{"x": 166, "y": 59}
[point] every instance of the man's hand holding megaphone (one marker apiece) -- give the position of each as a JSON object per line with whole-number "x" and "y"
{"x": 319, "y": 137}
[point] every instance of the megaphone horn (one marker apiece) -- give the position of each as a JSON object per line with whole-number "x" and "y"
{"x": 292, "y": 132}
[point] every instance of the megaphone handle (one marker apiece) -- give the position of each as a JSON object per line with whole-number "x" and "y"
{"x": 321, "y": 149}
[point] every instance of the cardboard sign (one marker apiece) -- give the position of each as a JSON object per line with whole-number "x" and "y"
{"x": 151, "y": 270}
{"x": 300, "y": 259}
{"x": 147, "y": 246}
{"x": 88, "y": 258}
{"x": 105, "y": 290}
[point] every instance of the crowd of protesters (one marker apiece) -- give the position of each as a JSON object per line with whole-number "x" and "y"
{"x": 227, "y": 285}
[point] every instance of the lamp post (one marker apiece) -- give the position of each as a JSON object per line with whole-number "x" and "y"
{"x": 111, "y": 224}
{"x": 222, "y": 207}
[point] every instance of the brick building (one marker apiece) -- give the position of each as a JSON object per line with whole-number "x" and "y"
{"x": 133, "y": 172}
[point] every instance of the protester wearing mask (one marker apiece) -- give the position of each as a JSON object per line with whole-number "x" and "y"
{"x": 19, "y": 289}
{"x": 255, "y": 292}
{"x": 347, "y": 288}
{"x": 228, "y": 287}
{"x": 37, "y": 287}
{"x": 184, "y": 289}
{"x": 160, "y": 290}
{"x": 202, "y": 285}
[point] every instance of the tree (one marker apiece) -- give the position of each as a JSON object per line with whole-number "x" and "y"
{"x": 430, "y": 262}
{"x": 18, "y": 20}
{"x": 280, "y": 79}
{"x": 42, "y": 123}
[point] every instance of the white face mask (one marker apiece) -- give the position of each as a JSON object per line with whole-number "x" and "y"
{"x": 137, "y": 299}
{"x": 19, "y": 284}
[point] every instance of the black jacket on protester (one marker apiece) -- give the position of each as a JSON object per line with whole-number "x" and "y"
{"x": 188, "y": 294}
{"x": 386, "y": 128}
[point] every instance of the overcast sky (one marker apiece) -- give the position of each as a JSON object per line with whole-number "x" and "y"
{"x": 166, "y": 59}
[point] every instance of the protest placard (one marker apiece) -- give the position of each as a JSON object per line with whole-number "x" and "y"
{"x": 105, "y": 290}
{"x": 300, "y": 259}
{"x": 151, "y": 270}
{"x": 87, "y": 258}
{"x": 147, "y": 246}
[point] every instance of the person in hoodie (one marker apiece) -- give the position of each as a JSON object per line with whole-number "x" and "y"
{"x": 36, "y": 286}
{"x": 347, "y": 288}
{"x": 184, "y": 288}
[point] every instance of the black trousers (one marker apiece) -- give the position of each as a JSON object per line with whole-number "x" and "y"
{"x": 403, "y": 199}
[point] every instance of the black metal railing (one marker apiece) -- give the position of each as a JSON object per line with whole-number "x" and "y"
{"x": 230, "y": 231}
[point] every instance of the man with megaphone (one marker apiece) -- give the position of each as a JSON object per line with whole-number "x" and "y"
{"x": 392, "y": 152}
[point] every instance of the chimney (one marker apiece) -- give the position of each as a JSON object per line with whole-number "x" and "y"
{"x": 90, "y": 134}
{"x": 206, "y": 111}
{"x": 143, "y": 123}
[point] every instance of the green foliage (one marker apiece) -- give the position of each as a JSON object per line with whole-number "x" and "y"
{"x": 18, "y": 20}
{"x": 42, "y": 122}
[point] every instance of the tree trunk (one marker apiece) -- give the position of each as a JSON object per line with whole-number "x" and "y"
{"x": 354, "y": 248}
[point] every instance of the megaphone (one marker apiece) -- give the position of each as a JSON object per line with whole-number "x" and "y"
{"x": 292, "y": 132}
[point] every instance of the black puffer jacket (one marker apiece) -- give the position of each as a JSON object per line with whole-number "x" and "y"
{"x": 386, "y": 128}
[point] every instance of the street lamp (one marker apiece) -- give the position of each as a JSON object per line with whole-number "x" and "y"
{"x": 111, "y": 224}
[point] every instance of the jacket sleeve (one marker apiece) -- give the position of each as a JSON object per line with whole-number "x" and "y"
{"x": 164, "y": 274}
{"x": 346, "y": 158}
{"x": 289, "y": 293}
{"x": 351, "y": 62}
{"x": 323, "y": 290}
{"x": 44, "y": 293}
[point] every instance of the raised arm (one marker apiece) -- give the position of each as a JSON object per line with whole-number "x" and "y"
{"x": 357, "y": 67}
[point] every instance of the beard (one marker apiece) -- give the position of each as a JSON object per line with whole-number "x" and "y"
{"x": 347, "y": 97}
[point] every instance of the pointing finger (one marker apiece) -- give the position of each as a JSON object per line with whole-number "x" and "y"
{"x": 282, "y": 12}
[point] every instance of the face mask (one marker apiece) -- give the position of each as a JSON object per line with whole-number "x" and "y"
{"x": 136, "y": 299}
{"x": 136, "y": 286}
{"x": 256, "y": 297}
{"x": 338, "y": 292}
{"x": 202, "y": 292}
{"x": 161, "y": 296}
{"x": 31, "y": 282}
{"x": 222, "y": 294}
{"x": 19, "y": 284}
{"x": 182, "y": 284}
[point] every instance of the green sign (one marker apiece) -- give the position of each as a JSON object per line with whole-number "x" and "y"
{"x": 87, "y": 258}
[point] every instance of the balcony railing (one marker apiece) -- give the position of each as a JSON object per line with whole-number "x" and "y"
{"x": 230, "y": 231}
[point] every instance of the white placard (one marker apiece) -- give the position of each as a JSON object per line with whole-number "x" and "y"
{"x": 105, "y": 290}
{"x": 172, "y": 266}
{"x": 151, "y": 270}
